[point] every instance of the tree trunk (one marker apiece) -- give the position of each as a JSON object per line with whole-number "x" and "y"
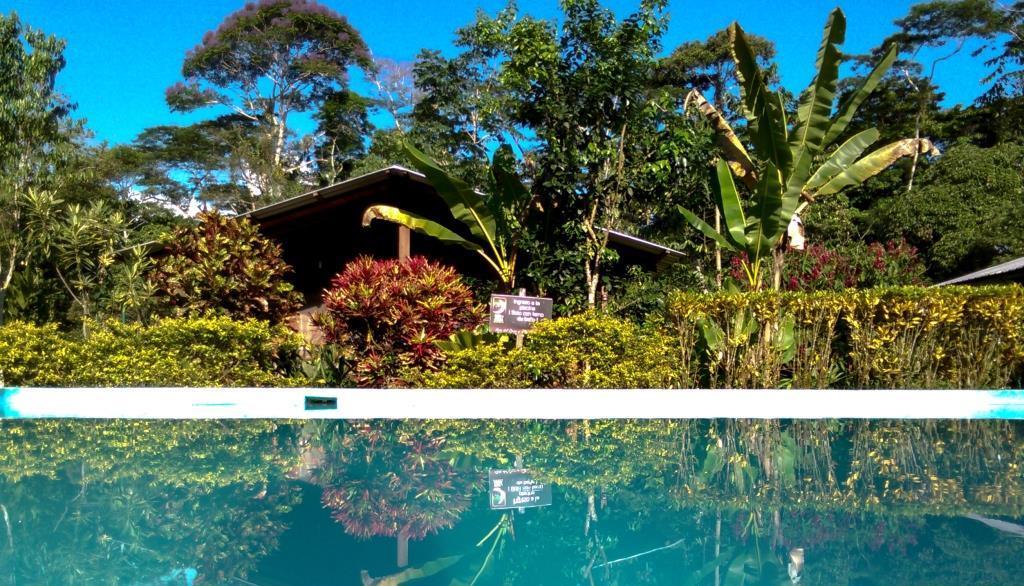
{"x": 718, "y": 545}
{"x": 718, "y": 249}
{"x": 777, "y": 260}
{"x": 403, "y": 549}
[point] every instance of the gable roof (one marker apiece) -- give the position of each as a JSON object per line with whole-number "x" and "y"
{"x": 381, "y": 176}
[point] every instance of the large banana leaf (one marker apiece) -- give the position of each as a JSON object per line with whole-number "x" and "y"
{"x": 419, "y": 224}
{"x": 815, "y": 111}
{"x": 413, "y": 574}
{"x": 466, "y": 205}
{"x": 841, "y": 158}
{"x": 849, "y": 106}
{"x": 732, "y": 149}
{"x": 765, "y": 116}
{"x": 706, "y": 229}
{"x": 729, "y": 202}
{"x": 510, "y": 195}
{"x": 764, "y": 230}
{"x": 875, "y": 162}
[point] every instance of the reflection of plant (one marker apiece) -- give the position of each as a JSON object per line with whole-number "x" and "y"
{"x": 382, "y": 480}
{"x": 387, "y": 315}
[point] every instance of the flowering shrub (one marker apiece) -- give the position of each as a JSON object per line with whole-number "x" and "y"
{"x": 385, "y": 316}
{"x": 224, "y": 266}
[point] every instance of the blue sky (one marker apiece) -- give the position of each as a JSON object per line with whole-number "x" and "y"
{"x": 123, "y": 54}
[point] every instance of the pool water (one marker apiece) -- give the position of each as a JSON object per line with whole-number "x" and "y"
{"x": 696, "y": 502}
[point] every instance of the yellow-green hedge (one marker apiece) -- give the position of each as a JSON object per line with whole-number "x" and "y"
{"x": 170, "y": 352}
{"x": 954, "y": 337}
{"x": 950, "y": 337}
{"x": 585, "y": 351}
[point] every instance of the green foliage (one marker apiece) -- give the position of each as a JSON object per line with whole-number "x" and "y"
{"x": 708, "y": 66}
{"x": 953, "y": 337}
{"x": 170, "y": 352}
{"x": 177, "y": 166}
{"x": 224, "y": 266}
{"x": 964, "y": 214}
{"x": 588, "y": 350}
{"x": 26, "y": 351}
{"x": 494, "y": 221}
{"x": 35, "y": 132}
{"x": 265, "y": 62}
{"x": 586, "y": 128}
{"x": 385, "y": 316}
{"x": 792, "y": 163}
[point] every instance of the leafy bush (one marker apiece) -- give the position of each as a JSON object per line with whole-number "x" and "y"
{"x": 588, "y": 350}
{"x": 964, "y": 211}
{"x": 224, "y": 266}
{"x": 386, "y": 315}
{"x": 954, "y": 337}
{"x": 857, "y": 265}
{"x": 26, "y": 350}
{"x": 212, "y": 351}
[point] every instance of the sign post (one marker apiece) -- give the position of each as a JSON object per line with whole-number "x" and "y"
{"x": 516, "y": 489}
{"x": 516, "y": 314}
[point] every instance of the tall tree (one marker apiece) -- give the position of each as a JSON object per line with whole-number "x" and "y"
{"x": 265, "y": 62}
{"x": 578, "y": 91}
{"x": 33, "y": 134}
{"x": 708, "y": 66}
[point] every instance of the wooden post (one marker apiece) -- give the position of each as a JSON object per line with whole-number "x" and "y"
{"x": 519, "y": 457}
{"x": 404, "y": 246}
{"x": 403, "y": 549}
{"x": 519, "y": 335}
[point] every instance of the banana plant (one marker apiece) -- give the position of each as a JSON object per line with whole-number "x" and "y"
{"x": 491, "y": 222}
{"x": 794, "y": 163}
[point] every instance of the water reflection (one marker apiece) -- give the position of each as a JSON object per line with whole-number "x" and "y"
{"x": 665, "y": 502}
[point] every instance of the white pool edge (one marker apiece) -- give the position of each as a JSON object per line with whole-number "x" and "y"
{"x": 263, "y": 403}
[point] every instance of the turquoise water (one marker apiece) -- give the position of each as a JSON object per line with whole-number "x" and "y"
{"x": 655, "y": 502}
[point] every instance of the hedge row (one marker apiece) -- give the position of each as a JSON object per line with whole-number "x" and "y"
{"x": 956, "y": 337}
{"x": 170, "y": 352}
{"x": 952, "y": 337}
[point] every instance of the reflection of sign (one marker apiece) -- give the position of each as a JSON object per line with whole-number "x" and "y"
{"x": 513, "y": 489}
{"x": 511, "y": 314}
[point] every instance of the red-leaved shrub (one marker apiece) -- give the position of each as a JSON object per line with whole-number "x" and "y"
{"x": 858, "y": 265}
{"x": 385, "y": 316}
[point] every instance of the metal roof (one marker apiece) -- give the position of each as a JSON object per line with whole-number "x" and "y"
{"x": 334, "y": 190}
{"x": 1010, "y": 266}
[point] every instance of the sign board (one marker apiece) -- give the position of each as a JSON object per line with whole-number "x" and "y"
{"x": 512, "y": 314}
{"x": 516, "y": 489}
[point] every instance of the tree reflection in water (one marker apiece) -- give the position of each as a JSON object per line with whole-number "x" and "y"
{"x": 636, "y": 502}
